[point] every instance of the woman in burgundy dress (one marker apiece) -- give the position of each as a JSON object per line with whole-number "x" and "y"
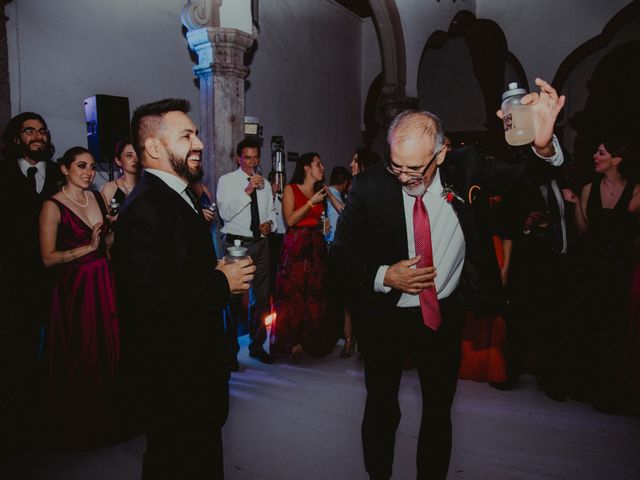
{"x": 303, "y": 321}
{"x": 81, "y": 337}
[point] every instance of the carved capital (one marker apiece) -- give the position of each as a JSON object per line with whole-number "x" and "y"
{"x": 200, "y": 15}
{"x": 220, "y": 51}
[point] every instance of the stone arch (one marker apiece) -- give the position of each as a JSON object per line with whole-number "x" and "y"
{"x": 465, "y": 70}
{"x": 386, "y": 19}
{"x": 600, "y": 79}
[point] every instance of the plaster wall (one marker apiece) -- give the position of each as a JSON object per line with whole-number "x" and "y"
{"x": 543, "y": 33}
{"x": 65, "y": 51}
{"x": 305, "y": 79}
{"x": 419, "y": 20}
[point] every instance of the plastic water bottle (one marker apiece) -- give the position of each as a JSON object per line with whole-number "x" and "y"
{"x": 236, "y": 252}
{"x": 325, "y": 227}
{"x": 114, "y": 207}
{"x": 517, "y": 118}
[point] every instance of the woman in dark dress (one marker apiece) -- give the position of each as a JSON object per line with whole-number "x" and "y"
{"x": 81, "y": 337}
{"x": 303, "y": 323}
{"x": 607, "y": 217}
{"x": 127, "y": 161}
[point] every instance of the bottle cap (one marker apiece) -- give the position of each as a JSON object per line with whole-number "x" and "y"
{"x": 512, "y": 90}
{"x": 237, "y": 251}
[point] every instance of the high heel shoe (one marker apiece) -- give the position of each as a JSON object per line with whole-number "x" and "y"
{"x": 347, "y": 350}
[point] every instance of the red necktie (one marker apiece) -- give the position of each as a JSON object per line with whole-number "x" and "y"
{"x": 422, "y": 235}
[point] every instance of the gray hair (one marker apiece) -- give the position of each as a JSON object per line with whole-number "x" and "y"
{"x": 411, "y": 122}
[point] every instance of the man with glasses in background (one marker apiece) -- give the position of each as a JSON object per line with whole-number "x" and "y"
{"x": 415, "y": 234}
{"x": 27, "y": 178}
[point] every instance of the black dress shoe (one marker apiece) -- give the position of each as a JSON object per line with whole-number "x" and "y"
{"x": 555, "y": 395}
{"x": 261, "y": 355}
{"x": 503, "y": 386}
{"x": 234, "y": 366}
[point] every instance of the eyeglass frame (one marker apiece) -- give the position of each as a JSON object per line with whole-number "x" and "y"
{"x": 413, "y": 174}
{"x": 31, "y": 132}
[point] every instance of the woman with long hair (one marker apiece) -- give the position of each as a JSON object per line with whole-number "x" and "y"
{"x": 81, "y": 347}
{"x": 303, "y": 320}
{"x": 607, "y": 218}
{"x": 127, "y": 161}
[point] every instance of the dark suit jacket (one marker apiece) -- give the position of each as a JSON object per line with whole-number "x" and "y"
{"x": 174, "y": 369}
{"x": 19, "y": 243}
{"x": 371, "y": 229}
{"x": 535, "y": 259}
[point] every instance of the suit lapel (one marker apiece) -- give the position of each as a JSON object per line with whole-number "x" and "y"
{"x": 393, "y": 205}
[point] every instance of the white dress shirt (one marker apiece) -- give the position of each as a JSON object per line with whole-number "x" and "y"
{"x": 447, "y": 243}
{"x": 332, "y": 213}
{"x": 174, "y": 182}
{"x": 447, "y": 238}
{"x": 234, "y": 204}
{"x": 40, "y": 174}
{"x": 559, "y": 200}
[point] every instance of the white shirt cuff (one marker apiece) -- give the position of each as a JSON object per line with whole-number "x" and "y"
{"x": 558, "y": 158}
{"x": 378, "y": 284}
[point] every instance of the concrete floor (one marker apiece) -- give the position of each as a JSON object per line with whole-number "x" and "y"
{"x": 291, "y": 421}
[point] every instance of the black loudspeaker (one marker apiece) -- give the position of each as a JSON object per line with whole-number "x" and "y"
{"x": 107, "y": 122}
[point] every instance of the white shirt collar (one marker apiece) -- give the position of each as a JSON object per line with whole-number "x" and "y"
{"x": 173, "y": 181}
{"x": 25, "y": 165}
{"x": 436, "y": 185}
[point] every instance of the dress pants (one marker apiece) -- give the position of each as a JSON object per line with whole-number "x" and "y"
{"x": 184, "y": 455}
{"x": 437, "y": 359}
{"x": 186, "y": 443}
{"x": 259, "y": 253}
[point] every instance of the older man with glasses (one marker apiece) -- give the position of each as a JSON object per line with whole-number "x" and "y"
{"x": 27, "y": 178}
{"x": 415, "y": 235}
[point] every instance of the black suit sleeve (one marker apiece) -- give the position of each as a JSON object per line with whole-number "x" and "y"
{"x": 353, "y": 239}
{"x": 151, "y": 267}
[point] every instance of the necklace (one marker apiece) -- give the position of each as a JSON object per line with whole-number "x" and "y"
{"x": 127, "y": 190}
{"x": 617, "y": 190}
{"x": 86, "y": 203}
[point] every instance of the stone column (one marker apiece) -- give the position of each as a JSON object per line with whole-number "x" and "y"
{"x": 5, "y": 91}
{"x": 221, "y": 73}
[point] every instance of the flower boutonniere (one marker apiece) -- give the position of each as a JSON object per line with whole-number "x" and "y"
{"x": 449, "y": 194}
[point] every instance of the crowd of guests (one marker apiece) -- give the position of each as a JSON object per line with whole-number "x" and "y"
{"x": 570, "y": 276}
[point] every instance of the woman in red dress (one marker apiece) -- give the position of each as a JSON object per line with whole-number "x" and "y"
{"x": 81, "y": 336}
{"x": 303, "y": 321}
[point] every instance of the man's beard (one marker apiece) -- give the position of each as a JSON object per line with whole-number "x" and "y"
{"x": 417, "y": 190}
{"x": 37, "y": 155}
{"x": 181, "y": 168}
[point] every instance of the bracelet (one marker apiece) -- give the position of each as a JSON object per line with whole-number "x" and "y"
{"x": 61, "y": 257}
{"x": 310, "y": 204}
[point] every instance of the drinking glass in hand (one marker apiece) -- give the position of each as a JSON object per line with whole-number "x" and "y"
{"x": 258, "y": 171}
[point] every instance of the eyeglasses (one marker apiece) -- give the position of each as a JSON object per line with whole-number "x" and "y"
{"x": 412, "y": 172}
{"x": 31, "y": 132}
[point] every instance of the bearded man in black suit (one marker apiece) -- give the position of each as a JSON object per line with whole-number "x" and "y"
{"x": 420, "y": 206}
{"x": 173, "y": 383}
{"x": 27, "y": 178}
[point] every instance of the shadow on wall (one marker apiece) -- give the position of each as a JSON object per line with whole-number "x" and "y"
{"x": 462, "y": 75}
{"x": 600, "y": 79}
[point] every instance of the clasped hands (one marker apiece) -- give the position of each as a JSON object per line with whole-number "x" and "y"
{"x": 400, "y": 276}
